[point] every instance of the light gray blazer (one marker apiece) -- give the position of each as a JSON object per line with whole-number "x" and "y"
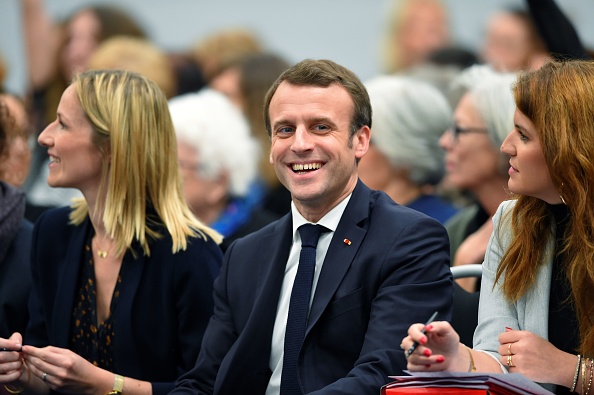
{"x": 530, "y": 312}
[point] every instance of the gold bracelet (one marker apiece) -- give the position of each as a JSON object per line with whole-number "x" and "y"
{"x": 584, "y": 360}
{"x": 18, "y": 390}
{"x": 591, "y": 376}
{"x": 14, "y": 389}
{"x": 118, "y": 385}
{"x": 471, "y": 367}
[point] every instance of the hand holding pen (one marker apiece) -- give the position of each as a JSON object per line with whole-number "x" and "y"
{"x": 15, "y": 349}
{"x": 11, "y": 360}
{"x": 416, "y": 344}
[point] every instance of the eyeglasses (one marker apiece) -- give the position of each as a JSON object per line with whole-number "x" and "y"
{"x": 457, "y": 131}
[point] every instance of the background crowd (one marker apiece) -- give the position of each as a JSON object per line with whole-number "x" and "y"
{"x": 441, "y": 112}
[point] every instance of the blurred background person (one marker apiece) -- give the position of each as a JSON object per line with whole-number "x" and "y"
{"x": 245, "y": 81}
{"x": 474, "y": 163}
{"x": 55, "y": 52}
{"x": 415, "y": 29}
{"x": 404, "y": 158}
{"x": 15, "y": 230}
{"x": 125, "y": 273}
{"x": 218, "y": 159}
{"x": 15, "y": 165}
{"x": 442, "y": 66}
{"x": 557, "y": 31}
{"x": 512, "y": 42}
{"x": 221, "y": 47}
{"x": 138, "y": 55}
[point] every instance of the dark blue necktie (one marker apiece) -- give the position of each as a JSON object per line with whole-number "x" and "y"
{"x": 299, "y": 308}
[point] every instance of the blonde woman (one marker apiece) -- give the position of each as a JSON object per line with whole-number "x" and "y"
{"x": 122, "y": 279}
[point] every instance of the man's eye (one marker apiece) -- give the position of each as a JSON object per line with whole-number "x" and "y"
{"x": 321, "y": 127}
{"x": 285, "y": 129}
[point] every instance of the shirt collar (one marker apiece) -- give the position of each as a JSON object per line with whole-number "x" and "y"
{"x": 329, "y": 221}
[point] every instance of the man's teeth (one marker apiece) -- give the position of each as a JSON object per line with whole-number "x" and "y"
{"x": 54, "y": 160}
{"x": 307, "y": 166}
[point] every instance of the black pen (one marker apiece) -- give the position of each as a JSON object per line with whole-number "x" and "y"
{"x": 415, "y": 344}
{"x": 9, "y": 350}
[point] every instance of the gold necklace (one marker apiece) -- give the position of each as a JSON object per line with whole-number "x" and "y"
{"x": 101, "y": 253}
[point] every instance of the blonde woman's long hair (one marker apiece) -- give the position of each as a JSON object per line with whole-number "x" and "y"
{"x": 141, "y": 182}
{"x": 559, "y": 100}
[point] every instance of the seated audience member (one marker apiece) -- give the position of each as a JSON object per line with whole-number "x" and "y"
{"x": 482, "y": 119}
{"x": 536, "y": 312}
{"x": 15, "y": 231}
{"x": 138, "y": 55}
{"x": 442, "y": 67}
{"x": 15, "y": 166}
{"x": 214, "y": 51}
{"x": 245, "y": 81}
{"x": 218, "y": 159}
{"x": 188, "y": 76}
{"x": 512, "y": 42}
{"x": 376, "y": 265}
{"x": 415, "y": 29}
{"x": 56, "y": 51}
{"x": 557, "y": 31}
{"x": 404, "y": 158}
{"x": 124, "y": 274}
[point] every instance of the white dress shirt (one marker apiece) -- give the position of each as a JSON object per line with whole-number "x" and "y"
{"x": 329, "y": 221}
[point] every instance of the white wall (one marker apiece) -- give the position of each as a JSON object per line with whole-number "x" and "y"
{"x": 347, "y": 31}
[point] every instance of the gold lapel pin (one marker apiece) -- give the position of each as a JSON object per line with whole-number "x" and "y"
{"x": 347, "y": 242}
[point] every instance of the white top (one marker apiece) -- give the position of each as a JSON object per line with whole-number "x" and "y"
{"x": 329, "y": 221}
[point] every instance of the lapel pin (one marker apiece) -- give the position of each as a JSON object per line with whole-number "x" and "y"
{"x": 347, "y": 242}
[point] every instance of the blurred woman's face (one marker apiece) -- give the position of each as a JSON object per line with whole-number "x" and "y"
{"x": 424, "y": 30}
{"x": 471, "y": 159}
{"x": 82, "y": 39}
{"x": 507, "y": 43}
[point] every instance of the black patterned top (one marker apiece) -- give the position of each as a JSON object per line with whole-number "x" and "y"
{"x": 90, "y": 340}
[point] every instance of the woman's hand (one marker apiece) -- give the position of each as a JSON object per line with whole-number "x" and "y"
{"x": 536, "y": 358}
{"x": 438, "y": 349}
{"x": 65, "y": 371}
{"x": 11, "y": 362}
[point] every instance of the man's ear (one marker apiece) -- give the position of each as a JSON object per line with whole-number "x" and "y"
{"x": 361, "y": 141}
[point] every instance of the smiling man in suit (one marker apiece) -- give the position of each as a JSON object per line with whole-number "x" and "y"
{"x": 378, "y": 266}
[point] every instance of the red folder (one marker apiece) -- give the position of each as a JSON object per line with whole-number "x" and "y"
{"x": 441, "y": 391}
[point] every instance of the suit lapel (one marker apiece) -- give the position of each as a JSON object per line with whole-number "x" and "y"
{"x": 131, "y": 274}
{"x": 275, "y": 252}
{"x": 252, "y": 353}
{"x": 341, "y": 253}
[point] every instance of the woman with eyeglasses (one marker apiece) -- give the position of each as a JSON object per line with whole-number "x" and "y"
{"x": 482, "y": 119}
{"x": 404, "y": 158}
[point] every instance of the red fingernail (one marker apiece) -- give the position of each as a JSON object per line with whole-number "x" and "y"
{"x": 423, "y": 340}
{"x": 428, "y": 327}
{"x": 507, "y": 329}
{"x": 427, "y": 352}
{"x": 439, "y": 359}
